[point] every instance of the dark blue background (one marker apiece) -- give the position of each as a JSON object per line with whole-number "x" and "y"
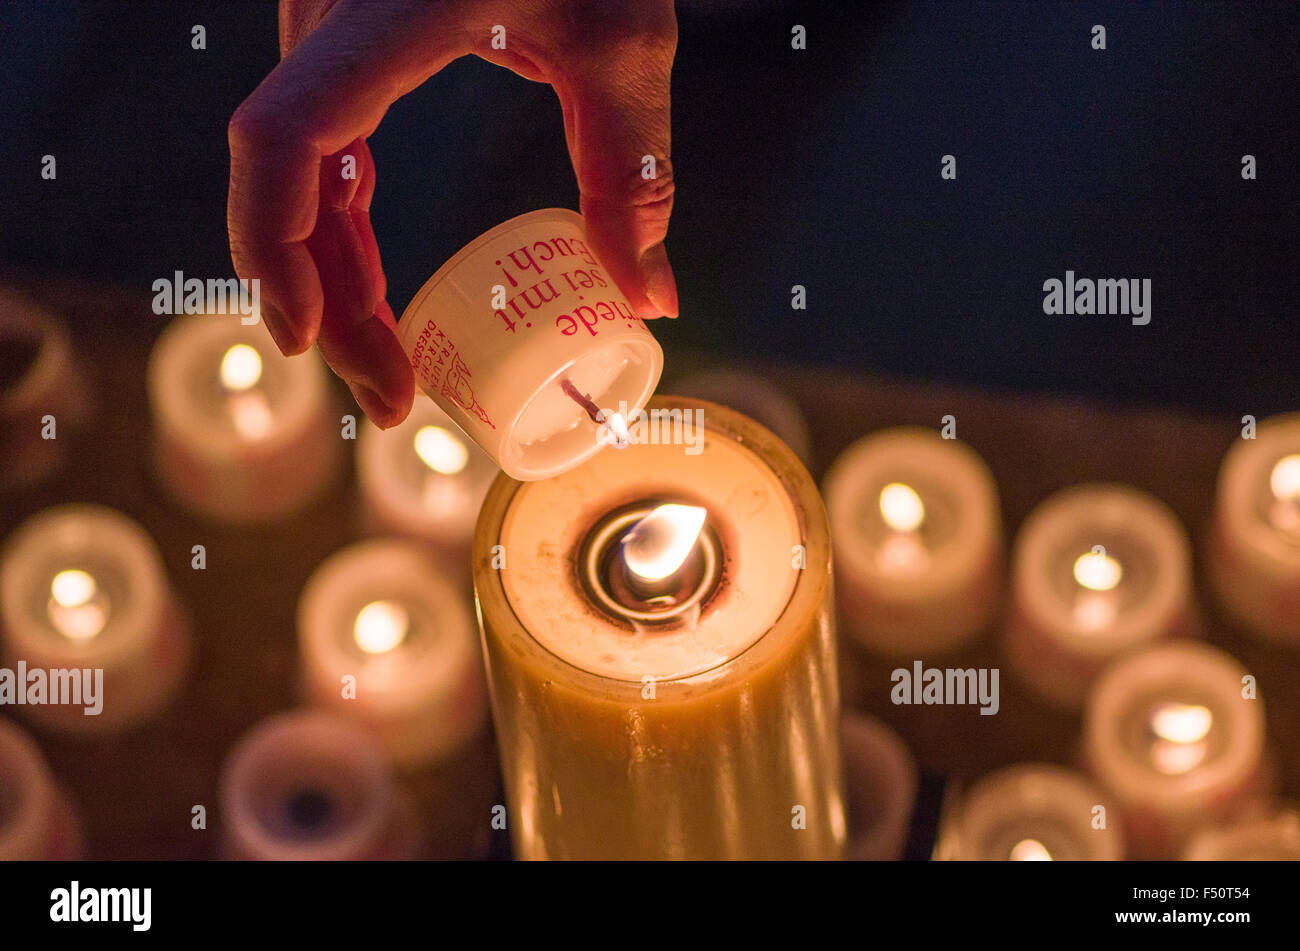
{"x": 818, "y": 168}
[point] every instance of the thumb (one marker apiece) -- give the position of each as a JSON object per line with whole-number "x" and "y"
{"x": 616, "y": 123}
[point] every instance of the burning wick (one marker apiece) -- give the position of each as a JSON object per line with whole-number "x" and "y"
{"x": 616, "y": 426}
{"x": 660, "y": 543}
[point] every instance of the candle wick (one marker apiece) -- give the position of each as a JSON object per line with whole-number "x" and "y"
{"x": 583, "y": 400}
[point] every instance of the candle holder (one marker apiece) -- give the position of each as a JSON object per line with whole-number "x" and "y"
{"x": 312, "y": 786}
{"x": 82, "y": 587}
{"x": 1169, "y": 733}
{"x": 1032, "y": 812}
{"x": 425, "y": 479}
{"x": 658, "y": 633}
{"x": 242, "y": 435}
{"x": 1271, "y": 838}
{"x": 1096, "y": 571}
{"x": 385, "y": 640}
{"x": 881, "y": 781}
{"x": 1253, "y": 556}
{"x": 918, "y": 543}
{"x": 37, "y": 820}
{"x": 519, "y": 334}
{"x": 756, "y": 398}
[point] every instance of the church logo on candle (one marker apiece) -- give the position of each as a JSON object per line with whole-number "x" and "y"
{"x": 955, "y": 685}
{"x": 191, "y": 295}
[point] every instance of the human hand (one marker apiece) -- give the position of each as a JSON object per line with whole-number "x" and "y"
{"x": 303, "y": 229}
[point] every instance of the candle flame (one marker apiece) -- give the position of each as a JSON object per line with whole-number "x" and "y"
{"x": 1097, "y": 571}
{"x": 241, "y": 368}
{"x": 1181, "y": 722}
{"x": 381, "y": 626}
{"x": 615, "y": 429}
{"x": 1284, "y": 480}
{"x": 77, "y": 608}
{"x": 660, "y": 543}
{"x": 440, "y": 450}
{"x": 1030, "y": 850}
{"x": 901, "y": 508}
{"x": 73, "y": 588}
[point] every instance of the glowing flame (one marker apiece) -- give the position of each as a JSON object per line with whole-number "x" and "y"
{"x": 901, "y": 508}
{"x": 1181, "y": 722}
{"x": 380, "y": 626}
{"x": 660, "y": 543}
{"x": 241, "y": 368}
{"x": 1097, "y": 571}
{"x": 77, "y": 608}
{"x": 615, "y": 429}
{"x": 1284, "y": 480}
{"x": 1030, "y": 850}
{"x": 440, "y": 450}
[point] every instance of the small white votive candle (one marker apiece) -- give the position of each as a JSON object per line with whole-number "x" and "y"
{"x": 423, "y": 478}
{"x": 1253, "y": 558}
{"x": 881, "y": 779}
{"x": 757, "y": 399}
{"x": 242, "y": 434}
{"x": 1175, "y": 734}
{"x": 384, "y": 639}
{"x": 82, "y": 587}
{"x": 1096, "y": 570}
{"x": 917, "y": 531}
{"x": 1032, "y": 812}
{"x": 311, "y": 785}
{"x": 1274, "y": 837}
{"x": 37, "y": 820}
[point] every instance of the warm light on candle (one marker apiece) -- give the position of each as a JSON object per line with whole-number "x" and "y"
{"x": 660, "y": 543}
{"x": 77, "y": 608}
{"x": 616, "y": 426}
{"x": 1030, "y": 850}
{"x": 440, "y": 450}
{"x": 1097, "y": 571}
{"x": 1285, "y": 478}
{"x": 1180, "y": 730}
{"x": 901, "y": 508}
{"x": 381, "y": 626}
{"x": 241, "y": 368}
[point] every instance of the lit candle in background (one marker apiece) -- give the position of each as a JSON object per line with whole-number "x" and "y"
{"x": 1096, "y": 570}
{"x": 242, "y": 434}
{"x": 636, "y": 692}
{"x": 1274, "y": 837}
{"x": 37, "y": 821}
{"x": 1253, "y": 557}
{"x": 756, "y": 398}
{"x": 1031, "y": 812}
{"x": 918, "y": 542}
{"x": 83, "y": 586}
{"x": 379, "y": 612}
{"x": 881, "y": 779}
{"x": 1169, "y": 734}
{"x": 425, "y": 479}
{"x": 312, "y": 786}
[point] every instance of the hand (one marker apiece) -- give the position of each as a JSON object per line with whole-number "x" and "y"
{"x": 304, "y": 230}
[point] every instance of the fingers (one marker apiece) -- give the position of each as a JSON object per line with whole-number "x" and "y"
{"x": 616, "y": 121}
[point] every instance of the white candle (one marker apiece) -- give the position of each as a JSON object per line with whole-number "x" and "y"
{"x": 757, "y": 399}
{"x": 242, "y": 434}
{"x": 1096, "y": 570}
{"x": 1274, "y": 837}
{"x": 83, "y": 587}
{"x": 917, "y": 530}
{"x": 881, "y": 779}
{"x": 1032, "y": 812}
{"x": 310, "y": 785}
{"x": 387, "y": 641}
{"x": 1170, "y": 734}
{"x": 1253, "y": 561}
{"x": 423, "y": 478}
{"x": 37, "y": 820}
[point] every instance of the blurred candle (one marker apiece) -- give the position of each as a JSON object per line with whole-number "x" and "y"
{"x": 37, "y": 820}
{"x": 83, "y": 586}
{"x": 242, "y": 434}
{"x": 1253, "y": 559}
{"x": 880, "y": 777}
{"x": 1273, "y": 837}
{"x": 312, "y": 786}
{"x": 379, "y": 614}
{"x": 918, "y": 542}
{"x": 658, "y": 635}
{"x": 1096, "y": 570}
{"x": 756, "y": 398}
{"x": 1170, "y": 734}
{"x": 423, "y": 478}
{"x": 1032, "y": 812}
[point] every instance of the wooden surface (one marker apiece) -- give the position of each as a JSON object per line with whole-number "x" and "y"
{"x": 135, "y": 793}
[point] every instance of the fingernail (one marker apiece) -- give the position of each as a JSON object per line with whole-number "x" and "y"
{"x": 372, "y": 404}
{"x": 279, "y": 327}
{"x": 657, "y": 276}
